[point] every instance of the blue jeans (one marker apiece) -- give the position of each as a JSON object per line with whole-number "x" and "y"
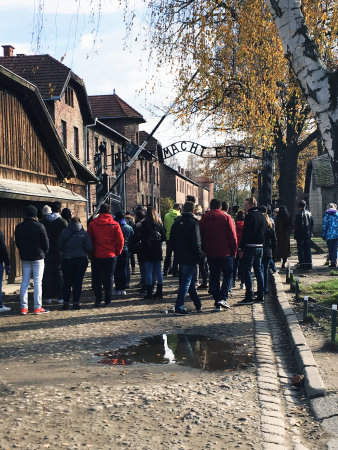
{"x": 153, "y": 272}
{"x": 28, "y": 268}
{"x": 252, "y": 258}
{"x": 187, "y": 284}
{"x": 304, "y": 252}
{"x": 1, "y": 277}
{"x": 332, "y": 246}
{"x": 238, "y": 269}
{"x": 267, "y": 263}
{"x": 217, "y": 265}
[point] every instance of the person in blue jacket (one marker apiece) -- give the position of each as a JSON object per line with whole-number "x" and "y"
{"x": 122, "y": 263}
{"x": 330, "y": 232}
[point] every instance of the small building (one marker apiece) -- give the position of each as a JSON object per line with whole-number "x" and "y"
{"x": 320, "y": 189}
{"x": 205, "y": 191}
{"x": 35, "y": 167}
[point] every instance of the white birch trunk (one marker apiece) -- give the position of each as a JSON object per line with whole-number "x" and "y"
{"x": 318, "y": 83}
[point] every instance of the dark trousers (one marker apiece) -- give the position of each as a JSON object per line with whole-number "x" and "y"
{"x": 332, "y": 246}
{"x": 102, "y": 274}
{"x": 73, "y": 271}
{"x": 238, "y": 270}
{"x": 203, "y": 269}
{"x": 252, "y": 258}
{"x": 52, "y": 282}
{"x": 167, "y": 261}
{"x": 218, "y": 265}
{"x": 304, "y": 252}
{"x": 121, "y": 271}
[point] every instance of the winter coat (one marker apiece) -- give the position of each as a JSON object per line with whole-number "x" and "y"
{"x": 283, "y": 230}
{"x": 106, "y": 236}
{"x": 185, "y": 239}
{"x": 239, "y": 224}
{"x": 253, "y": 230}
{"x": 330, "y": 224}
{"x": 150, "y": 252}
{"x": 4, "y": 258}
{"x": 269, "y": 242}
{"x": 169, "y": 220}
{"x": 31, "y": 239}
{"x": 74, "y": 242}
{"x": 54, "y": 224}
{"x": 218, "y": 234}
{"x": 303, "y": 224}
{"x": 128, "y": 233}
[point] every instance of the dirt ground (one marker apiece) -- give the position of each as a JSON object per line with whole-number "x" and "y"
{"x": 317, "y": 334}
{"x": 54, "y": 394}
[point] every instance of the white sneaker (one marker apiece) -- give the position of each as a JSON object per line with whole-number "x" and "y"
{"x": 60, "y": 301}
{"x": 47, "y": 301}
{"x": 123, "y": 293}
{"x": 242, "y": 286}
{"x": 4, "y": 309}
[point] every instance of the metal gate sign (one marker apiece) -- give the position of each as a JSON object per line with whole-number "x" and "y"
{"x": 224, "y": 151}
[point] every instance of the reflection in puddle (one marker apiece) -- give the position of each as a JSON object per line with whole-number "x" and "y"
{"x": 191, "y": 350}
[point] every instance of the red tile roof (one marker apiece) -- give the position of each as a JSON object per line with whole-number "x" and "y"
{"x": 45, "y": 72}
{"x": 50, "y": 76}
{"x": 112, "y": 106}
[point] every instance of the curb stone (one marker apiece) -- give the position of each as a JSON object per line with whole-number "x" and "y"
{"x": 314, "y": 386}
{"x": 323, "y": 406}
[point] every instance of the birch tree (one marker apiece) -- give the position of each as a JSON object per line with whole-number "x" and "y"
{"x": 319, "y": 83}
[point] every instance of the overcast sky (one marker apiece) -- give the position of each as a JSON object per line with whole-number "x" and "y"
{"x": 67, "y": 34}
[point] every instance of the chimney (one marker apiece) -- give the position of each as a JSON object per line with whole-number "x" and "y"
{"x": 8, "y": 50}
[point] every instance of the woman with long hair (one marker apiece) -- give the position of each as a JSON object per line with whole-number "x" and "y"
{"x": 283, "y": 230}
{"x": 152, "y": 235}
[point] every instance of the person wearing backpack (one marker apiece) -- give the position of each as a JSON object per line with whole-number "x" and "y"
{"x": 151, "y": 236}
{"x": 303, "y": 232}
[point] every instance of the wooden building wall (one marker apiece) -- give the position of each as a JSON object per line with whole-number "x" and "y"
{"x": 22, "y": 155}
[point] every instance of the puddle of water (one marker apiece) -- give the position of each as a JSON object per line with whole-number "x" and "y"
{"x": 197, "y": 351}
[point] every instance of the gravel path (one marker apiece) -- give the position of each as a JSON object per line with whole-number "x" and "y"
{"x": 55, "y": 395}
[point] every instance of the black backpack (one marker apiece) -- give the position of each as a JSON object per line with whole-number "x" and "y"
{"x": 154, "y": 239}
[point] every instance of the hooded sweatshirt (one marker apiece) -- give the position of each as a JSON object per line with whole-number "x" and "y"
{"x": 330, "y": 224}
{"x": 169, "y": 220}
{"x": 54, "y": 224}
{"x": 106, "y": 236}
{"x": 218, "y": 234}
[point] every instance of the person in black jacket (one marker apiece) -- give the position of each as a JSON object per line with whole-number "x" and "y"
{"x": 33, "y": 244}
{"x": 4, "y": 258}
{"x": 251, "y": 250}
{"x": 186, "y": 241}
{"x": 52, "y": 284}
{"x": 268, "y": 249}
{"x": 303, "y": 233}
{"x": 151, "y": 233}
{"x": 74, "y": 244}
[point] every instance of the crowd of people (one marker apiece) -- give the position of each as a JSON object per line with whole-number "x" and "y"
{"x": 55, "y": 248}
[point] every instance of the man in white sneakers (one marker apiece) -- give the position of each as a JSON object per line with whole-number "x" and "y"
{"x": 32, "y": 241}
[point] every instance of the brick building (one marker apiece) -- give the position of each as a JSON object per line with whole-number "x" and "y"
{"x": 116, "y": 114}
{"x": 177, "y": 184}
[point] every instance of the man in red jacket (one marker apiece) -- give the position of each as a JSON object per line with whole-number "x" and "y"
{"x": 108, "y": 241}
{"x": 219, "y": 243}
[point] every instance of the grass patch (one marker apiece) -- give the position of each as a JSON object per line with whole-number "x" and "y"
{"x": 324, "y": 292}
{"x": 334, "y": 273}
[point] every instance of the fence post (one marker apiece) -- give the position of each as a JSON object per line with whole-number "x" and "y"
{"x": 287, "y": 277}
{"x": 297, "y": 289}
{"x": 334, "y": 324}
{"x": 305, "y": 308}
